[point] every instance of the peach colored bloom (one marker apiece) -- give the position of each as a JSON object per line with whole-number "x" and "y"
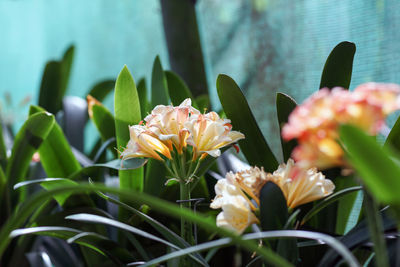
{"x": 315, "y": 123}
{"x": 91, "y": 101}
{"x": 143, "y": 143}
{"x": 300, "y": 186}
{"x": 167, "y": 122}
{"x": 208, "y": 133}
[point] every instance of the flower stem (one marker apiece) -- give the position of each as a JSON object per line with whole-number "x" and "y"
{"x": 186, "y": 227}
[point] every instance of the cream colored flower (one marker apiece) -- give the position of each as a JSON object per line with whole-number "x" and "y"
{"x": 237, "y": 209}
{"x": 167, "y": 122}
{"x": 300, "y": 186}
{"x": 143, "y": 143}
{"x": 208, "y": 133}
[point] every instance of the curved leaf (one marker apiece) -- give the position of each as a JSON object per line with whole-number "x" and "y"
{"x": 102, "y": 89}
{"x": 339, "y": 66}
{"x": 393, "y": 139}
{"x": 29, "y": 138}
{"x": 142, "y": 92}
{"x": 254, "y": 146}
{"x": 372, "y": 162}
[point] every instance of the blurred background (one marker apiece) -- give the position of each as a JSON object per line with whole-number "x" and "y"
{"x": 267, "y": 46}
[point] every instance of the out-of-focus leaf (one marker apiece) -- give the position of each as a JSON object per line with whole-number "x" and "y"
{"x": 3, "y": 149}
{"x": 142, "y": 92}
{"x": 177, "y": 89}
{"x": 372, "y": 162}
{"x": 159, "y": 87}
{"x": 339, "y": 66}
{"x": 254, "y": 146}
{"x": 66, "y": 65}
{"x": 127, "y": 112}
{"x": 102, "y": 89}
{"x": 29, "y": 138}
{"x": 104, "y": 122}
{"x": 393, "y": 139}
{"x": 55, "y": 153}
{"x": 284, "y": 106}
{"x": 55, "y": 81}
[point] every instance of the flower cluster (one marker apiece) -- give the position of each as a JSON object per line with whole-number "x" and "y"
{"x": 238, "y": 194}
{"x": 315, "y": 123}
{"x": 170, "y": 129}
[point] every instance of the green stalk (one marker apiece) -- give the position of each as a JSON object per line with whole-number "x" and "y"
{"x": 186, "y": 227}
{"x": 374, "y": 222}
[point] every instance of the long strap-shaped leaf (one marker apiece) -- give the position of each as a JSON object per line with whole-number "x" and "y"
{"x": 254, "y": 146}
{"x": 29, "y": 138}
{"x": 91, "y": 218}
{"x": 332, "y": 242}
{"x": 19, "y": 217}
{"x": 159, "y": 87}
{"x": 127, "y": 112}
{"x": 339, "y": 66}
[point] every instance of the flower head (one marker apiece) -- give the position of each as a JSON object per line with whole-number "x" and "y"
{"x": 238, "y": 194}
{"x": 300, "y": 186}
{"x": 167, "y": 122}
{"x": 143, "y": 143}
{"x": 208, "y": 133}
{"x": 315, "y": 123}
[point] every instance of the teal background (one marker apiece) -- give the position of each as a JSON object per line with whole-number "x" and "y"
{"x": 267, "y": 46}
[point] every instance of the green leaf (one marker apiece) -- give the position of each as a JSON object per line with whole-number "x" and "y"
{"x": 338, "y": 67}
{"x": 104, "y": 122}
{"x": 55, "y": 81}
{"x": 91, "y": 218}
{"x": 28, "y": 139}
{"x": 159, "y": 87}
{"x": 102, "y": 89}
{"x": 155, "y": 177}
{"x": 117, "y": 164}
{"x": 328, "y": 201}
{"x": 203, "y": 102}
{"x": 332, "y": 242}
{"x": 393, "y": 139}
{"x": 50, "y": 183}
{"x": 3, "y": 149}
{"x": 273, "y": 216}
{"x": 254, "y": 146}
{"x": 66, "y": 64}
{"x": 91, "y": 240}
{"x": 284, "y": 106}
{"x": 127, "y": 112}
{"x": 142, "y": 92}
{"x": 173, "y": 210}
{"x": 373, "y": 163}
{"x": 55, "y": 152}
{"x": 177, "y": 89}
{"x": 349, "y": 206}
